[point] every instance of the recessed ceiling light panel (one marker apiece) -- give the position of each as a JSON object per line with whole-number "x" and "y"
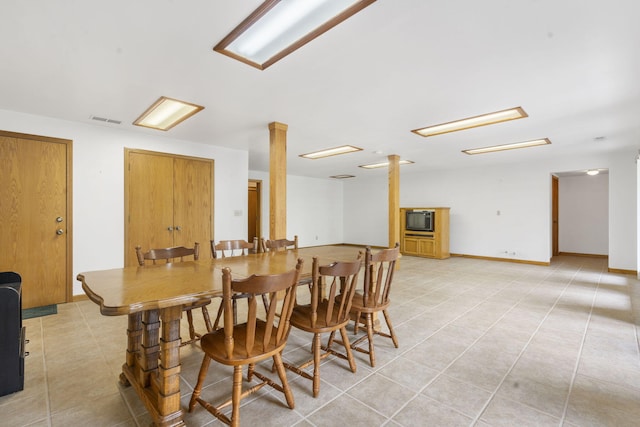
{"x": 277, "y": 28}
{"x": 513, "y": 146}
{"x": 331, "y": 152}
{"x": 165, "y": 113}
{"x": 384, "y": 164}
{"x": 472, "y": 122}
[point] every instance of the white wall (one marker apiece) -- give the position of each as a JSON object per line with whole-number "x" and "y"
{"x": 522, "y": 194}
{"x": 314, "y": 209}
{"x": 474, "y": 196}
{"x": 98, "y": 184}
{"x": 583, "y": 216}
{"x": 366, "y": 201}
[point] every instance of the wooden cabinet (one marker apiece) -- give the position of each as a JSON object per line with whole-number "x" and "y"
{"x": 429, "y": 244}
{"x": 168, "y": 201}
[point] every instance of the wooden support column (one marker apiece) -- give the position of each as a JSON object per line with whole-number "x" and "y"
{"x": 394, "y": 199}
{"x": 277, "y": 180}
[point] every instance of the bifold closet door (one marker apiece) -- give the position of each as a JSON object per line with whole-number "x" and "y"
{"x": 168, "y": 201}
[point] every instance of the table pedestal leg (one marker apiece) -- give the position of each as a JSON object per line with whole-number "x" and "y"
{"x": 169, "y": 369}
{"x": 153, "y": 363}
{"x": 134, "y": 340}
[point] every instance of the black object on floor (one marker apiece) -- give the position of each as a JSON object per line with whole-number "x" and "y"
{"x": 12, "y": 334}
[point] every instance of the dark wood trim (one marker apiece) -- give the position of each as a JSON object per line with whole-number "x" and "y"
{"x": 622, "y": 271}
{"x": 583, "y": 255}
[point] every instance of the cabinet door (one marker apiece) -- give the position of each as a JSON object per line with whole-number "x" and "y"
{"x": 193, "y": 203}
{"x": 411, "y": 245}
{"x": 427, "y": 247}
{"x": 149, "y": 203}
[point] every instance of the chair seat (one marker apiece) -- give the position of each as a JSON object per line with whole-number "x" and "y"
{"x": 301, "y": 319}
{"x": 213, "y": 344}
{"x": 371, "y": 305}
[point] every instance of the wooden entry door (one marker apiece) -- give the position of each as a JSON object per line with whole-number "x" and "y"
{"x": 35, "y": 207}
{"x": 168, "y": 201}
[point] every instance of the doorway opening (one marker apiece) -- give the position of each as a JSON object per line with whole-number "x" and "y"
{"x": 580, "y": 213}
{"x": 254, "y": 209}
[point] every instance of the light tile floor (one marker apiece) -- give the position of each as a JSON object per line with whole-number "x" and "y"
{"x": 482, "y": 343}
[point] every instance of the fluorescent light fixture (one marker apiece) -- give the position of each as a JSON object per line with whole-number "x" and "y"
{"x": 384, "y": 164}
{"x": 331, "y": 152}
{"x": 472, "y": 122}
{"x": 513, "y": 146}
{"x": 342, "y": 176}
{"x": 165, "y": 113}
{"x": 593, "y": 172}
{"x": 277, "y": 28}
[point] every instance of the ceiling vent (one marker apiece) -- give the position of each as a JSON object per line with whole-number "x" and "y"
{"x": 105, "y": 120}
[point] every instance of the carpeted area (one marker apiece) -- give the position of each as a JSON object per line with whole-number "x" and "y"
{"x": 45, "y": 310}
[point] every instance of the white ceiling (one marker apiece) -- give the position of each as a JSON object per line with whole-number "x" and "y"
{"x": 573, "y": 65}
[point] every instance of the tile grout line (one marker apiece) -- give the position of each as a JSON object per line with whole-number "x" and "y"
{"x": 577, "y": 364}
{"x": 46, "y": 375}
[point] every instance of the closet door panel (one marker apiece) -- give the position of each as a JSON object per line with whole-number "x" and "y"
{"x": 149, "y": 204}
{"x": 193, "y": 202}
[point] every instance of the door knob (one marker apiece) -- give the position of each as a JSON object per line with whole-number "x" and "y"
{"x": 59, "y": 231}
{"x": 178, "y": 228}
{"x": 59, "y": 219}
{"x": 170, "y": 228}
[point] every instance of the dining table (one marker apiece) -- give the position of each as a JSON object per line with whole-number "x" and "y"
{"x": 152, "y": 297}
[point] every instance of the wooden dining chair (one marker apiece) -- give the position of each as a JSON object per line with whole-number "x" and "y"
{"x": 231, "y": 248}
{"x": 378, "y": 277}
{"x": 259, "y": 337}
{"x": 282, "y": 245}
{"x": 173, "y": 254}
{"x": 326, "y": 315}
{"x": 278, "y": 244}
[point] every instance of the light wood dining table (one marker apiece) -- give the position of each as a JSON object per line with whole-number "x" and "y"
{"x": 152, "y": 297}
